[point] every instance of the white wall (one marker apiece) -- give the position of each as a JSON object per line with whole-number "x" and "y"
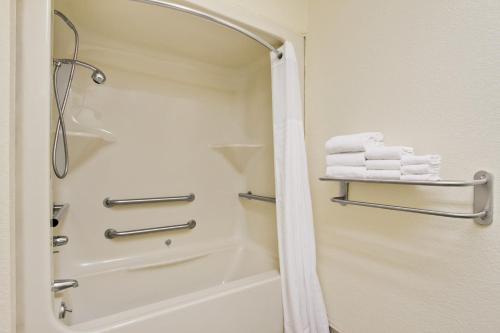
{"x": 426, "y": 73}
{"x": 7, "y": 102}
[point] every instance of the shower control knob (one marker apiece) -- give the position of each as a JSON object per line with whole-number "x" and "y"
{"x": 59, "y": 240}
{"x": 63, "y": 309}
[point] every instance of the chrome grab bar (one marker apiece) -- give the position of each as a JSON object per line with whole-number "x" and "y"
{"x": 482, "y": 204}
{"x": 249, "y": 195}
{"x": 112, "y": 233}
{"x": 108, "y": 202}
{"x": 342, "y": 201}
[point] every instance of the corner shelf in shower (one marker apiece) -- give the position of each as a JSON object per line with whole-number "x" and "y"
{"x": 83, "y": 145}
{"x": 238, "y": 154}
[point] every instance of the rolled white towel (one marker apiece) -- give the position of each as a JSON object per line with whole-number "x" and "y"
{"x": 424, "y": 177}
{"x": 353, "y": 142}
{"x": 420, "y": 169}
{"x": 420, "y": 159}
{"x": 387, "y": 153}
{"x": 346, "y": 159}
{"x": 383, "y": 164}
{"x": 383, "y": 174}
{"x": 346, "y": 172}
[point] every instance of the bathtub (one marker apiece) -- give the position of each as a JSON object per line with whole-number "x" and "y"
{"x": 230, "y": 289}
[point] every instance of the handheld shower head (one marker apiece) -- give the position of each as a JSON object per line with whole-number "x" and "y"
{"x": 97, "y": 76}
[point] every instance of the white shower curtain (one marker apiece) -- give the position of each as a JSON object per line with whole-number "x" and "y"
{"x": 303, "y": 306}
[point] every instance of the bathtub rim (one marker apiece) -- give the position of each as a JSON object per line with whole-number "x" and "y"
{"x": 176, "y": 303}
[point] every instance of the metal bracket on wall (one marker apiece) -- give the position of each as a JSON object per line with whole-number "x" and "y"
{"x": 482, "y": 207}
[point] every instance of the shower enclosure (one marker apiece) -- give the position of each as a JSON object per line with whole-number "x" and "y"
{"x": 152, "y": 227}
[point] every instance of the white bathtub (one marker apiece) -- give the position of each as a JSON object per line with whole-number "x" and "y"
{"x": 231, "y": 289}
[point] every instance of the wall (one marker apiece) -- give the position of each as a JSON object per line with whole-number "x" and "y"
{"x": 426, "y": 74}
{"x": 166, "y": 113}
{"x": 7, "y": 102}
{"x": 291, "y": 14}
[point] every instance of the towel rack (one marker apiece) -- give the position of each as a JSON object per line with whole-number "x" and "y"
{"x": 482, "y": 207}
{"x": 112, "y": 233}
{"x": 249, "y": 195}
{"x": 108, "y": 202}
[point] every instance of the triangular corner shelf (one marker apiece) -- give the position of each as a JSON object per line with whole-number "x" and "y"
{"x": 238, "y": 154}
{"x": 83, "y": 145}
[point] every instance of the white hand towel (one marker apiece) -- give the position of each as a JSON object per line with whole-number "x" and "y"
{"x": 420, "y": 169}
{"x": 383, "y": 164}
{"x": 383, "y": 174}
{"x": 353, "y": 142}
{"x": 420, "y": 159}
{"x": 387, "y": 153}
{"x": 346, "y": 172}
{"x": 346, "y": 159}
{"x": 424, "y": 177}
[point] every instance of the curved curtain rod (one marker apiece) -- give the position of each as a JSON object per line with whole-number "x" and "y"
{"x": 214, "y": 19}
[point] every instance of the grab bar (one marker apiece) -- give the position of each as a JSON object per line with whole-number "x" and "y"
{"x": 482, "y": 207}
{"x": 249, "y": 195}
{"x": 112, "y": 233}
{"x": 108, "y": 202}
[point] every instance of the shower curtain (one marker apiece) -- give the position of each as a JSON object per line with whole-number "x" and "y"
{"x": 303, "y": 306}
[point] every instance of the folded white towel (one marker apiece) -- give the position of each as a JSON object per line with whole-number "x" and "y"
{"x": 387, "y": 153}
{"x": 346, "y": 172}
{"x": 424, "y": 177}
{"x": 420, "y": 159}
{"x": 383, "y": 164}
{"x": 420, "y": 169}
{"x": 346, "y": 159}
{"x": 383, "y": 174}
{"x": 353, "y": 142}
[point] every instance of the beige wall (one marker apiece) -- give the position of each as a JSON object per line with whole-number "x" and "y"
{"x": 291, "y": 14}
{"x": 426, "y": 73}
{"x": 7, "y": 56}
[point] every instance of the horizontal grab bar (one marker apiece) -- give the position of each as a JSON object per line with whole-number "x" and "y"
{"x": 112, "y": 233}
{"x": 342, "y": 201}
{"x": 249, "y": 195}
{"x": 108, "y": 202}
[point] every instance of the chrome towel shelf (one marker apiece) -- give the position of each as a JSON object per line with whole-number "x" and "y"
{"x": 108, "y": 202}
{"x": 249, "y": 195}
{"x": 482, "y": 205}
{"x": 112, "y": 233}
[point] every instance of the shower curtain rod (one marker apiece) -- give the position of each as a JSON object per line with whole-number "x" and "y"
{"x": 214, "y": 19}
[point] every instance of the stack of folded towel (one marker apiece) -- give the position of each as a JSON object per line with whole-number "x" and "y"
{"x": 385, "y": 162}
{"x": 346, "y": 154}
{"x": 424, "y": 167}
{"x": 364, "y": 156}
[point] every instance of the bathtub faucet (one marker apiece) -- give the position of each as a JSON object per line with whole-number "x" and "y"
{"x": 62, "y": 284}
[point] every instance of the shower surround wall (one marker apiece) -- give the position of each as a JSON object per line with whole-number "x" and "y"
{"x": 164, "y": 132}
{"x": 179, "y": 126}
{"x": 426, "y": 74}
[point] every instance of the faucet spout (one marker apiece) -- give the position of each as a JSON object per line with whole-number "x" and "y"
{"x": 59, "y": 285}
